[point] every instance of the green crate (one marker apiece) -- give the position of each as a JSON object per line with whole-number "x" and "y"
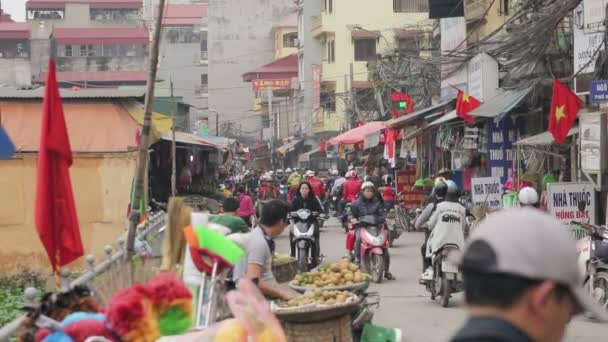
{"x": 376, "y": 333}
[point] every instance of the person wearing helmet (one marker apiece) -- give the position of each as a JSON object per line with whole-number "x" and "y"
{"x": 528, "y": 197}
{"x": 352, "y": 186}
{"x": 288, "y": 171}
{"x": 439, "y": 192}
{"x": 368, "y": 204}
{"x": 317, "y": 185}
{"x": 447, "y": 225}
{"x": 267, "y": 189}
{"x": 337, "y": 190}
{"x": 280, "y": 177}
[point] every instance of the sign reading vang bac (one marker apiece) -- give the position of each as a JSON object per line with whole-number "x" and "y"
{"x": 486, "y": 192}
{"x": 563, "y": 199}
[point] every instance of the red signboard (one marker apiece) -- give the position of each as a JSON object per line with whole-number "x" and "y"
{"x": 396, "y": 97}
{"x": 271, "y": 84}
{"x": 405, "y": 183}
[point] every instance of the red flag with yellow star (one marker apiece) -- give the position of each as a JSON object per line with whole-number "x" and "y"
{"x": 466, "y": 103}
{"x": 564, "y": 108}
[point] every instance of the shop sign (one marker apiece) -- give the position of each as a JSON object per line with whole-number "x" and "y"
{"x": 371, "y": 140}
{"x": 483, "y": 77}
{"x": 271, "y": 84}
{"x": 500, "y": 147}
{"x": 453, "y": 37}
{"x": 563, "y": 199}
{"x": 405, "y": 182}
{"x": 588, "y": 36}
{"x": 598, "y": 91}
{"x": 592, "y": 150}
{"x": 486, "y": 192}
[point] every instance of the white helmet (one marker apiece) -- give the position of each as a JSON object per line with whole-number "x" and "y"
{"x": 366, "y": 185}
{"x": 335, "y": 172}
{"x": 270, "y": 173}
{"x": 310, "y": 173}
{"x": 279, "y": 170}
{"x": 528, "y": 196}
{"x": 288, "y": 170}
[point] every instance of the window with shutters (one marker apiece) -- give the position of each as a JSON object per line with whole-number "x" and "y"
{"x": 329, "y": 6}
{"x": 410, "y": 6}
{"x": 331, "y": 51}
{"x": 365, "y": 49}
{"x": 328, "y": 101}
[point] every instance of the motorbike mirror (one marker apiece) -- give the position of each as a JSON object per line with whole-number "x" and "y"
{"x": 582, "y": 205}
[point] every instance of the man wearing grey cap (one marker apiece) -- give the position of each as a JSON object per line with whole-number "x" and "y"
{"x": 521, "y": 280}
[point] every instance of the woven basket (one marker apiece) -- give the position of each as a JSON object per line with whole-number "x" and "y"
{"x": 318, "y": 313}
{"x": 285, "y": 272}
{"x": 356, "y": 288}
{"x": 334, "y": 330}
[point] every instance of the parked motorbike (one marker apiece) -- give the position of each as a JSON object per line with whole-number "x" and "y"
{"x": 446, "y": 277}
{"x": 593, "y": 259}
{"x": 303, "y": 239}
{"x": 374, "y": 247}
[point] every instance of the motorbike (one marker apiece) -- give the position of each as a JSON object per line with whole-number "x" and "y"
{"x": 374, "y": 247}
{"x": 303, "y": 239}
{"x": 446, "y": 277}
{"x": 394, "y": 230}
{"x": 593, "y": 259}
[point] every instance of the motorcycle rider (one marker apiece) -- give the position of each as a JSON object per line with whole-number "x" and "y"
{"x": 528, "y": 197}
{"x": 280, "y": 177}
{"x": 293, "y": 181}
{"x": 368, "y": 204}
{"x": 388, "y": 193}
{"x": 446, "y": 225}
{"x": 329, "y": 184}
{"x": 337, "y": 190}
{"x": 317, "y": 185}
{"x": 267, "y": 189}
{"x": 439, "y": 192}
{"x": 306, "y": 199}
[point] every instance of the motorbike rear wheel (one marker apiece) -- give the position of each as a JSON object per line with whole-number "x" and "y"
{"x": 446, "y": 291}
{"x": 376, "y": 267}
{"x": 600, "y": 289}
{"x": 302, "y": 259}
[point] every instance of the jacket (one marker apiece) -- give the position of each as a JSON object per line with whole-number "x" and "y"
{"x": 294, "y": 179}
{"x": 338, "y": 184}
{"x": 447, "y": 226}
{"x": 267, "y": 192}
{"x": 317, "y": 187}
{"x": 311, "y": 203}
{"x": 351, "y": 189}
{"x": 364, "y": 207}
{"x": 486, "y": 329}
{"x": 388, "y": 194}
{"x": 246, "y": 208}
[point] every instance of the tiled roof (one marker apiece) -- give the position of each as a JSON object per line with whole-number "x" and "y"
{"x": 58, "y": 4}
{"x": 10, "y": 30}
{"x": 136, "y": 35}
{"x": 285, "y": 67}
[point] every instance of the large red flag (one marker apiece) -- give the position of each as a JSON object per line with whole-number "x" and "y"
{"x": 465, "y": 104}
{"x": 564, "y": 108}
{"x": 56, "y": 219}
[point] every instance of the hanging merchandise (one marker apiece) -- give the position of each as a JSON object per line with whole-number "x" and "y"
{"x": 471, "y": 138}
{"x": 408, "y": 147}
{"x": 390, "y": 139}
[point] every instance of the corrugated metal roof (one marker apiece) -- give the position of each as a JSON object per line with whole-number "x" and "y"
{"x": 99, "y": 76}
{"x": 501, "y": 104}
{"x": 38, "y": 93}
{"x": 401, "y": 121}
{"x": 10, "y": 30}
{"x": 283, "y": 67}
{"x": 544, "y": 138}
{"x": 445, "y": 118}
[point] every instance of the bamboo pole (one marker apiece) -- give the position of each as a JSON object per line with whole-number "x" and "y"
{"x": 140, "y": 173}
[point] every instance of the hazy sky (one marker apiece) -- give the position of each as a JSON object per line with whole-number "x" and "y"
{"x": 16, "y": 8}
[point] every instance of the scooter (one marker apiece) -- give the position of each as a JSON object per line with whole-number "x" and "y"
{"x": 303, "y": 238}
{"x": 374, "y": 247}
{"x": 593, "y": 259}
{"x": 446, "y": 277}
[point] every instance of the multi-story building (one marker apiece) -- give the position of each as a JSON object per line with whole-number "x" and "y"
{"x": 95, "y": 42}
{"x": 240, "y": 39}
{"x": 184, "y": 57}
{"x": 352, "y": 34}
{"x": 14, "y": 52}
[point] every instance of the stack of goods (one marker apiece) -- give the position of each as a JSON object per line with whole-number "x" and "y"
{"x": 334, "y": 275}
{"x": 317, "y": 298}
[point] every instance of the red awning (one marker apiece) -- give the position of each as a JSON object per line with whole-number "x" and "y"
{"x": 106, "y": 4}
{"x": 365, "y": 34}
{"x": 282, "y": 68}
{"x": 110, "y": 36}
{"x": 181, "y": 15}
{"x": 357, "y": 135}
{"x": 99, "y": 76}
{"x": 10, "y": 30}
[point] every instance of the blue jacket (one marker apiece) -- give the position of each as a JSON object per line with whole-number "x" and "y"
{"x": 363, "y": 207}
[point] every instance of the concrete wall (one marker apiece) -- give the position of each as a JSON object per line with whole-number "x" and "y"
{"x": 15, "y": 71}
{"x": 101, "y": 186}
{"x": 240, "y": 39}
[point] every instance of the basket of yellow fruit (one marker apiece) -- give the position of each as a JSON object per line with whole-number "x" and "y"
{"x": 284, "y": 268}
{"x": 341, "y": 276}
{"x": 316, "y": 306}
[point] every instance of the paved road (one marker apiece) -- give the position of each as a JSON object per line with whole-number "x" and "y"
{"x": 406, "y": 305}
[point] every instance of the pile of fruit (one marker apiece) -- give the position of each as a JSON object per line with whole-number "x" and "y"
{"x": 319, "y": 297}
{"x": 332, "y": 275}
{"x": 280, "y": 259}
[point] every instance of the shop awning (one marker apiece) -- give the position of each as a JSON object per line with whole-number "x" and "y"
{"x": 445, "y": 118}
{"x": 222, "y": 142}
{"x": 544, "y": 138}
{"x": 356, "y": 135}
{"x": 190, "y": 139}
{"x": 402, "y": 121}
{"x": 304, "y": 157}
{"x": 290, "y": 146}
{"x": 501, "y": 104}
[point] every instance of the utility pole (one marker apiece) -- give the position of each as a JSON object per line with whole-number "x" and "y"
{"x": 173, "y": 148}
{"x": 355, "y": 111}
{"x": 217, "y": 124}
{"x": 272, "y": 123}
{"x": 142, "y": 156}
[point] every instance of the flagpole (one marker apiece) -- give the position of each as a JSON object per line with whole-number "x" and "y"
{"x": 140, "y": 172}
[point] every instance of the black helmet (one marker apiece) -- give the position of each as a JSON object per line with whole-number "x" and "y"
{"x": 440, "y": 190}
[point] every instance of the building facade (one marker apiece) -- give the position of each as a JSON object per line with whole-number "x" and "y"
{"x": 240, "y": 39}
{"x": 14, "y": 53}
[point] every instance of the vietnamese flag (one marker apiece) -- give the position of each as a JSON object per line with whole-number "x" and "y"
{"x": 564, "y": 108}
{"x": 56, "y": 220}
{"x": 465, "y": 104}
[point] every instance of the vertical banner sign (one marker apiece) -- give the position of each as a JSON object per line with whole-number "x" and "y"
{"x": 500, "y": 152}
{"x": 316, "y": 94}
{"x": 405, "y": 182}
{"x": 563, "y": 199}
{"x": 487, "y": 192}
